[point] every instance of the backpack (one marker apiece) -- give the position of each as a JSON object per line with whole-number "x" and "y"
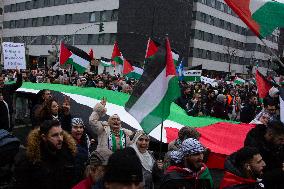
{"x": 9, "y": 147}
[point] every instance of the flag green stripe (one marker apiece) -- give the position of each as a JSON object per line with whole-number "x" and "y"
{"x": 192, "y": 78}
{"x": 177, "y": 114}
{"x": 118, "y": 60}
{"x": 133, "y": 75}
{"x": 269, "y": 17}
{"x": 80, "y": 69}
{"x": 161, "y": 112}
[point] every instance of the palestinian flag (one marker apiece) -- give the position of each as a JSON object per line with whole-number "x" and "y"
{"x": 263, "y": 85}
{"x": 105, "y": 62}
{"x": 152, "y": 48}
{"x": 116, "y": 55}
{"x": 217, "y": 134}
{"x": 91, "y": 54}
{"x": 151, "y": 99}
{"x": 131, "y": 71}
{"x": 239, "y": 81}
{"x": 192, "y": 75}
{"x": 261, "y": 16}
{"x": 78, "y": 58}
{"x": 281, "y": 99}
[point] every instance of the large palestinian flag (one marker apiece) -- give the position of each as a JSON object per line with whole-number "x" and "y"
{"x": 78, "y": 58}
{"x": 221, "y": 136}
{"x": 158, "y": 87}
{"x": 261, "y": 16}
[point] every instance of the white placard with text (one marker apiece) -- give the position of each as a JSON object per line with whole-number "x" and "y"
{"x": 14, "y": 55}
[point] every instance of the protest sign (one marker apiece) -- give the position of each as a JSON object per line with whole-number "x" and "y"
{"x": 14, "y": 55}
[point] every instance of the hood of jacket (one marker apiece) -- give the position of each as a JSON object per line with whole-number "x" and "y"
{"x": 233, "y": 175}
{"x": 34, "y": 141}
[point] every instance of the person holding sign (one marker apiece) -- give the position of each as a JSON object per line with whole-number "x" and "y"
{"x": 6, "y": 101}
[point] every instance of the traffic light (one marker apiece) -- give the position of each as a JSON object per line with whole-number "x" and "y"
{"x": 101, "y": 27}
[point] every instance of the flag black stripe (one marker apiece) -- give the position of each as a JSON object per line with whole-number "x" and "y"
{"x": 151, "y": 72}
{"x": 78, "y": 52}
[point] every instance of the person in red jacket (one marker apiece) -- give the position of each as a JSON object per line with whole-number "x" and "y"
{"x": 243, "y": 170}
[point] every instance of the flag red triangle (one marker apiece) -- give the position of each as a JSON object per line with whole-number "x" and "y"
{"x": 152, "y": 48}
{"x": 127, "y": 68}
{"x": 91, "y": 53}
{"x": 64, "y": 54}
{"x": 116, "y": 52}
{"x": 263, "y": 85}
{"x": 170, "y": 66}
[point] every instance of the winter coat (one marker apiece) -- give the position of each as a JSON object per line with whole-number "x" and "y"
{"x": 102, "y": 128}
{"x": 4, "y": 116}
{"x": 8, "y": 90}
{"x": 40, "y": 168}
{"x": 178, "y": 177}
{"x": 272, "y": 155}
{"x": 220, "y": 111}
{"x": 82, "y": 155}
{"x": 234, "y": 178}
{"x": 248, "y": 113}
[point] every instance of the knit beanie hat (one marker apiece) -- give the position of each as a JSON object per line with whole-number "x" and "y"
{"x": 220, "y": 98}
{"x": 100, "y": 156}
{"x": 124, "y": 166}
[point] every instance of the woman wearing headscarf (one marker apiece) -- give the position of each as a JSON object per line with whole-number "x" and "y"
{"x": 262, "y": 118}
{"x": 151, "y": 170}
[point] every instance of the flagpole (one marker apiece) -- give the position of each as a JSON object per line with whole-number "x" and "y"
{"x": 161, "y": 140}
{"x": 277, "y": 58}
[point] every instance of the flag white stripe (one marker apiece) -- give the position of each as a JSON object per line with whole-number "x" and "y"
{"x": 138, "y": 70}
{"x": 175, "y": 56}
{"x": 151, "y": 98}
{"x": 80, "y": 61}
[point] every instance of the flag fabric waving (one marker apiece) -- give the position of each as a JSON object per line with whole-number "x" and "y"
{"x": 78, "y": 58}
{"x": 263, "y": 85}
{"x": 116, "y": 55}
{"x": 151, "y": 99}
{"x": 152, "y": 48}
{"x": 106, "y": 62}
{"x": 131, "y": 71}
{"x": 91, "y": 53}
{"x": 175, "y": 57}
{"x": 261, "y": 16}
{"x": 281, "y": 99}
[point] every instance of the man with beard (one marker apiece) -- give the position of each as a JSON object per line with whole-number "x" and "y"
{"x": 48, "y": 162}
{"x": 110, "y": 134}
{"x": 269, "y": 140}
{"x": 243, "y": 169}
{"x": 187, "y": 169}
{"x": 248, "y": 112}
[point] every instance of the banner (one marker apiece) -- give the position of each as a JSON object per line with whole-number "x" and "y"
{"x": 14, "y": 55}
{"x": 209, "y": 80}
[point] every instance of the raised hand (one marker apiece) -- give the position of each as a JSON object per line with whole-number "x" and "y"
{"x": 103, "y": 101}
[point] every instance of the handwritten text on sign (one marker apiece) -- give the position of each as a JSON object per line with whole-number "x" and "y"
{"x": 14, "y": 55}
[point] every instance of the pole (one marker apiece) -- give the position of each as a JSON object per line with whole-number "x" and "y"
{"x": 161, "y": 140}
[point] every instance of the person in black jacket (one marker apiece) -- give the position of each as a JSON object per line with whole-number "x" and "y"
{"x": 184, "y": 98}
{"x": 243, "y": 170}
{"x": 6, "y": 101}
{"x": 48, "y": 162}
{"x": 269, "y": 140}
{"x": 248, "y": 112}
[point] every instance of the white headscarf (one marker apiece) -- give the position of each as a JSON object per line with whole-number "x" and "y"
{"x": 146, "y": 158}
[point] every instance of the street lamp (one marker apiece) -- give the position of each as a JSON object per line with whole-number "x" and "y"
{"x": 101, "y": 29}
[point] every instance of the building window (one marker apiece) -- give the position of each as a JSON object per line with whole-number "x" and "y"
{"x": 56, "y": 20}
{"x": 35, "y": 4}
{"x": 208, "y": 55}
{"x": 68, "y": 18}
{"x": 222, "y": 7}
{"x": 101, "y": 39}
{"x": 201, "y": 35}
{"x": 13, "y": 8}
{"x": 34, "y": 22}
{"x": 211, "y": 20}
{"x": 221, "y": 23}
{"x": 1, "y": 11}
{"x": 213, "y": 3}
{"x": 46, "y": 3}
{"x": 203, "y": 17}
{"x": 229, "y": 10}
{"x": 210, "y": 37}
{"x": 203, "y": 2}
{"x": 103, "y": 16}
{"x": 112, "y": 38}
{"x": 200, "y": 53}
{"x": 114, "y": 15}
{"x": 12, "y": 24}
{"x": 28, "y": 5}
{"x": 70, "y": 1}
{"x": 93, "y": 17}
{"x": 220, "y": 40}
{"x": 228, "y": 26}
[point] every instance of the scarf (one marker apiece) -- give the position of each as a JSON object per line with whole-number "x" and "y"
{"x": 112, "y": 141}
{"x": 146, "y": 158}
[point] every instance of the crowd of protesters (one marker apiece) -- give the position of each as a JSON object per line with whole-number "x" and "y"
{"x": 59, "y": 151}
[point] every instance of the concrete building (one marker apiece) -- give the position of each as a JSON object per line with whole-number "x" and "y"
{"x": 205, "y": 32}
